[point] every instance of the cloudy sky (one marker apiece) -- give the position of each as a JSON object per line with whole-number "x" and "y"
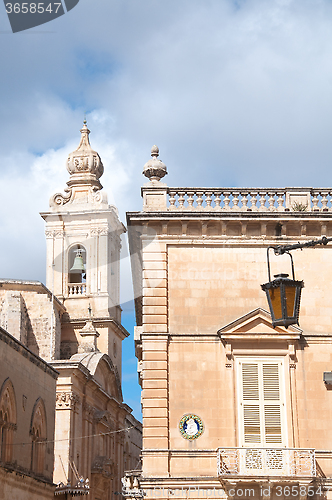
{"x": 234, "y": 93}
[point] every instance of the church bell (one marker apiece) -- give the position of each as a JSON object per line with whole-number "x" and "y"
{"x": 78, "y": 266}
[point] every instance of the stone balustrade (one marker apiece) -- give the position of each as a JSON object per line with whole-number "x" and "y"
{"x": 250, "y": 199}
{"x": 76, "y": 289}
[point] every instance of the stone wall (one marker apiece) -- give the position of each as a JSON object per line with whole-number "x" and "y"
{"x": 201, "y": 311}
{"x": 28, "y": 383}
{"x": 27, "y": 312}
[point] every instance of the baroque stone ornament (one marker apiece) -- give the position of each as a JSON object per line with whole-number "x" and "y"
{"x": 65, "y": 400}
{"x": 85, "y": 168}
{"x": 191, "y": 426}
{"x": 84, "y": 159}
{"x": 61, "y": 199}
{"x": 154, "y": 169}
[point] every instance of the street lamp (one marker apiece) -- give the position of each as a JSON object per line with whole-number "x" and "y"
{"x": 284, "y": 294}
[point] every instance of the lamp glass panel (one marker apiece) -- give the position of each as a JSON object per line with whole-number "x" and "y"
{"x": 275, "y": 298}
{"x": 290, "y": 292}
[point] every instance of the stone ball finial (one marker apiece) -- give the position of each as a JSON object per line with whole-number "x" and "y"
{"x": 155, "y": 151}
{"x": 154, "y": 169}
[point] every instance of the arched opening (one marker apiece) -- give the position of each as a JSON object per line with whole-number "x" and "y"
{"x": 77, "y": 264}
{"x": 38, "y": 432}
{"x": 7, "y": 421}
{"x": 77, "y": 270}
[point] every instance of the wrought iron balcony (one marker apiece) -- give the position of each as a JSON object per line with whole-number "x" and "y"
{"x": 296, "y": 462}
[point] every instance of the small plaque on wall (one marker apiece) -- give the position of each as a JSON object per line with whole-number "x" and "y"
{"x": 191, "y": 426}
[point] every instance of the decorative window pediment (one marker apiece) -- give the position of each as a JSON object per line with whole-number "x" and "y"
{"x": 254, "y": 331}
{"x": 258, "y": 323}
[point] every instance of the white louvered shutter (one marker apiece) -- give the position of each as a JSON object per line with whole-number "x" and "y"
{"x": 261, "y": 403}
{"x": 272, "y": 403}
{"x": 251, "y": 404}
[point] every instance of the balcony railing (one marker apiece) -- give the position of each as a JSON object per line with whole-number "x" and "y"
{"x": 250, "y": 199}
{"x": 76, "y": 289}
{"x": 266, "y": 462}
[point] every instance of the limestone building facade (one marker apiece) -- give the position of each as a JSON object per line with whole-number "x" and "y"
{"x": 232, "y": 407}
{"x": 27, "y": 401}
{"x": 74, "y": 323}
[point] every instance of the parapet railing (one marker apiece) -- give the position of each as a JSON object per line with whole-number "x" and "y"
{"x": 296, "y": 462}
{"x": 250, "y": 199}
{"x": 76, "y": 289}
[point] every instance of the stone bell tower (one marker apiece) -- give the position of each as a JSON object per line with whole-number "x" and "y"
{"x": 83, "y": 258}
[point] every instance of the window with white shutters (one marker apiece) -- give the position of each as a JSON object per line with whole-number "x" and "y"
{"x": 261, "y": 402}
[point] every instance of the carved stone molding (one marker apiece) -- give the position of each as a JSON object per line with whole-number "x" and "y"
{"x": 54, "y": 234}
{"x": 97, "y": 194}
{"x": 99, "y": 232}
{"x": 131, "y": 487}
{"x": 61, "y": 199}
{"x": 104, "y": 417}
{"x": 104, "y": 466}
{"x": 67, "y": 400}
{"x": 89, "y": 411}
{"x": 8, "y": 425}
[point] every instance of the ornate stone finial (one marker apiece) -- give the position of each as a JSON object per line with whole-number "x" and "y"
{"x": 89, "y": 337}
{"x": 154, "y": 169}
{"x": 85, "y": 168}
{"x": 84, "y": 164}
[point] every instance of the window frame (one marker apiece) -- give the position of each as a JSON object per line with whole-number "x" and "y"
{"x": 260, "y": 360}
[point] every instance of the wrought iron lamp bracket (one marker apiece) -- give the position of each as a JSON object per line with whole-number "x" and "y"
{"x": 276, "y": 252}
{"x": 282, "y": 249}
